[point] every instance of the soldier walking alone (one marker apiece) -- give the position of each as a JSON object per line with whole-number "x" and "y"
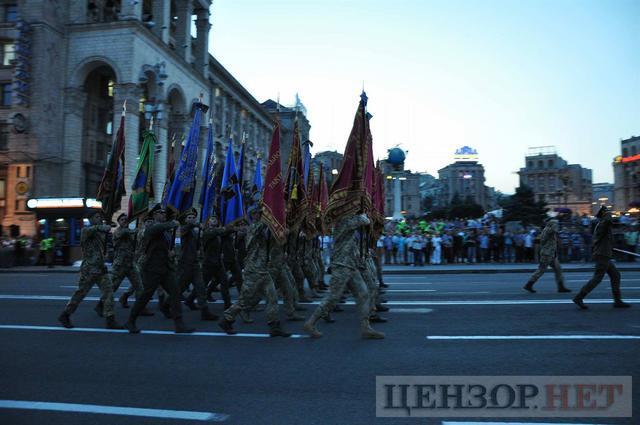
{"x": 548, "y": 257}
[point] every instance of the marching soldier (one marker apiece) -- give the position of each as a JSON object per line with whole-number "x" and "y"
{"x": 230, "y": 258}
{"x": 257, "y": 279}
{"x": 189, "y": 266}
{"x": 548, "y": 257}
{"x": 293, "y": 245}
{"x": 158, "y": 269}
{"x": 345, "y": 271}
{"x": 137, "y": 256}
{"x": 124, "y": 241}
{"x": 213, "y": 271}
{"x": 93, "y": 271}
{"x": 602, "y": 254}
{"x": 280, "y": 277}
{"x": 309, "y": 266}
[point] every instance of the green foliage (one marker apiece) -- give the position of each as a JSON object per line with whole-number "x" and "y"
{"x": 522, "y": 206}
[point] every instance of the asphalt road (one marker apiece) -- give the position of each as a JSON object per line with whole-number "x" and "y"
{"x": 252, "y": 379}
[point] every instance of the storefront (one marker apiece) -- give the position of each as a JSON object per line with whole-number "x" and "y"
{"x": 62, "y": 219}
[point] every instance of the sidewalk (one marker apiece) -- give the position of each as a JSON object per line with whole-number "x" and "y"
{"x": 393, "y": 269}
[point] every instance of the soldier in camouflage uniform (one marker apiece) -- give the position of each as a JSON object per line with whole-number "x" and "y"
{"x": 257, "y": 279}
{"x": 280, "y": 276}
{"x": 93, "y": 271}
{"x": 548, "y": 257}
{"x": 292, "y": 247}
{"x": 230, "y": 258}
{"x": 124, "y": 241}
{"x": 345, "y": 270}
{"x": 158, "y": 269}
{"x": 369, "y": 275}
{"x": 309, "y": 266}
{"x": 602, "y": 254}
{"x": 213, "y": 271}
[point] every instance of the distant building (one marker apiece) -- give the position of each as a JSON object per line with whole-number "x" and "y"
{"x": 603, "y": 194}
{"x": 554, "y": 181}
{"x": 430, "y": 187}
{"x": 626, "y": 175}
{"x": 464, "y": 177}
{"x": 411, "y": 200}
{"x": 287, "y": 116}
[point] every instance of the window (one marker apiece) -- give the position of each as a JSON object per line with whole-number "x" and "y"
{"x": 18, "y": 172}
{"x": 4, "y": 137}
{"x": 28, "y": 171}
{"x": 8, "y": 53}
{"x": 3, "y": 190}
{"x": 540, "y": 164}
{"x": 17, "y": 205}
{"x": 5, "y": 94}
{"x": 10, "y": 13}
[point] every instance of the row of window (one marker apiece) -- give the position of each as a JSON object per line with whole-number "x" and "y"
{"x": 550, "y": 163}
{"x": 10, "y": 13}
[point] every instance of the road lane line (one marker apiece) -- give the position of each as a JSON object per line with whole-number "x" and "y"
{"x": 114, "y": 410}
{"x": 147, "y": 332}
{"x": 410, "y": 290}
{"x": 411, "y": 310}
{"x": 509, "y": 423}
{"x": 515, "y": 337}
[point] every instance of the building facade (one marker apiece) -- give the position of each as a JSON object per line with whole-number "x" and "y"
{"x": 72, "y": 65}
{"x": 603, "y": 194}
{"x": 331, "y": 162}
{"x": 287, "y": 117}
{"x": 411, "y": 200}
{"x": 554, "y": 181}
{"x": 465, "y": 178}
{"x": 626, "y": 175}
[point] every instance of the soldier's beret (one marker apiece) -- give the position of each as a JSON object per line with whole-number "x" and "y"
{"x": 190, "y": 211}
{"x": 121, "y": 215}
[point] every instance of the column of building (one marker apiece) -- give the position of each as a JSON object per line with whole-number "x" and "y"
{"x": 75, "y": 99}
{"x": 184, "y": 10}
{"x": 161, "y": 11}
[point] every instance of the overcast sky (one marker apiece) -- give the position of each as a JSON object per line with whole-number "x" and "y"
{"x": 500, "y": 76}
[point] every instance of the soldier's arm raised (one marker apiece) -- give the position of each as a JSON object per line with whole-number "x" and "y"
{"x": 161, "y": 227}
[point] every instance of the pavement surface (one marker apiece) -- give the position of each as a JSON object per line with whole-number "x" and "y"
{"x": 440, "y": 324}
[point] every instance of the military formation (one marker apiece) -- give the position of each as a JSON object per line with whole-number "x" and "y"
{"x": 183, "y": 264}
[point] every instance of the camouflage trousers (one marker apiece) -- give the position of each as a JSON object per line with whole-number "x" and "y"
{"x": 297, "y": 274}
{"x": 545, "y": 262}
{"x": 283, "y": 280}
{"x": 310, "y": 270}
{"x": 376, "y": 261}
{"x": 255, "y": 286}
{"x": 320, "y": 266}
{"x": 341, "y": 277}
{"x": 369, "y": 276}
{"x": 118, "y": 273}
{"x": 86, "y": 282}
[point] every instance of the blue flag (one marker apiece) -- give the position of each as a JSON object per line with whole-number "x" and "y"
{"x": 180, "y": 197}
{"x": 230, "y": 195}
{"x": 257, "y": 178}
{"x": 208, "y": 193}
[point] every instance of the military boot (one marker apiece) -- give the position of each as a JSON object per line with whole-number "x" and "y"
{"x": 562, "y": 288}
{"x": 146, "y": 312}
{"x": 99, "y": 308}
{"x": 368, "y": 332}
{"x": 190, "y": 302}
{"x": 310, "y": 325}
{"x": 276, "y": 330}
{"x": 227, "y": 327}
{"x": 376, "y": 318}
{"x": 380, "y": 307}
{"x": 130, "y": 325}
{"x": 578, "y": 299}
{"x": 327, "y": 318}
{"x": 338, "y": 309}
{"x": 181, "y": 328}
{"x": 165, "y": 309}
{"x": 124, "y": 300}
{"x": 65, "y": 316}
{"x": 112, "y": 324}
{"x": 529, "y": 287}
{"x": 206, "y": 314}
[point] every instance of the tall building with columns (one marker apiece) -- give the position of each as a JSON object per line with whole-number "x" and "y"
{"x": 70, "y": 65}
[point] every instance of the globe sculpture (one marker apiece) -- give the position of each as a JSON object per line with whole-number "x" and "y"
{"x": 396, "y": 159}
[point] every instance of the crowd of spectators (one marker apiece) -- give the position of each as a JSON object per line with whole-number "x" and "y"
{"x": 420, "y": 242}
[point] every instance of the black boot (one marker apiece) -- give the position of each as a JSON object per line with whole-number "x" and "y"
{"x": 377, "y": 319}
{"x": 131, "y": 326}
{"x": 620, "y": 304}
{"x": 529, "y": 287}
{"x": 578, "y": 300}
{"x": 165, "y": 309}
{"x": 99, "y": 308}
{"x": 65, "y": 316}
{"x": 181, "y": 328}
{"x": 384, "y": 285}
{"x": 112, "y": 324}
{"x": 146, "y": 312}
{"x": 189, "y": 302}
{"x": 124, "y": 300}
{"x": 276, "y": 330}
{"x": 227, "y": 327}
{"x": 380, "y": 307}
{"x": 562, "y": 288}
{"x": 206, "y": 314}
{"x": 338, "y": 309}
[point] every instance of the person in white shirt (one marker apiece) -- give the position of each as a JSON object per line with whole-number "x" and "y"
{"x": 436, "y": 254}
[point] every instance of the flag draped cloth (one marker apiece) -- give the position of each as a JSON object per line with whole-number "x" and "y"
{"x": 273, "y": 196}
{"x": 111, "y": 189}
{"x": 351, "y": 190}
{"x": 231, "y": 196}
{"x": 295, "y": 193}
{"x": 181, "y": 193}
{"x": 142, "y": 187}
{"x": 208, "y": 191}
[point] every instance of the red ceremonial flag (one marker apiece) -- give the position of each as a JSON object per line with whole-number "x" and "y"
{"x": 311, "y": 205}
{"x": 273, "y": 201}
{"x": 351, "y": 190}
{"x": 323, "y": 192}
{"x": 111, "y": 189}
{"x": 294, "y": 191}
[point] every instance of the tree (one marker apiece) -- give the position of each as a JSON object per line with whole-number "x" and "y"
{"x": 522, "y": 206}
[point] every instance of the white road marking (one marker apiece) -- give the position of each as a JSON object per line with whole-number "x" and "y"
{"x": 94, "y": 288}
{"x": 411, "y": 310}
{"x": 410, "y": 290}
{"x": 515, "y": 337}
{"x": 114, "y": 410}
{"x": 509, "y": 423}
{"x": 147, "y": 332}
